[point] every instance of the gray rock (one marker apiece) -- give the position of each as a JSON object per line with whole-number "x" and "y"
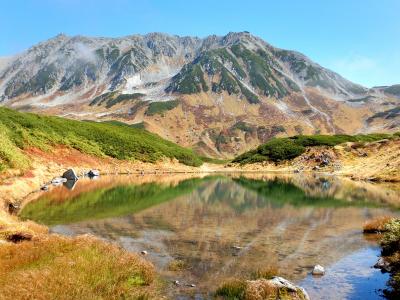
{"x": 70, "y": 175}
{"x": 280, "y": 282}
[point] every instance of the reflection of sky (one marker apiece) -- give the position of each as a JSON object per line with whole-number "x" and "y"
{"x": 350, "y": 277}
{"x": 272, "y": 221}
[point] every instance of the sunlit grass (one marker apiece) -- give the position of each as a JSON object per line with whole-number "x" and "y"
{"x": 54, "y": 267}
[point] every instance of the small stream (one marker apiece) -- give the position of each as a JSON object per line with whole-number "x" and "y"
{"x": 204, "y": 230}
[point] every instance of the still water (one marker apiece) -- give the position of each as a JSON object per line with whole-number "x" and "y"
{"x": 204, "y": 230}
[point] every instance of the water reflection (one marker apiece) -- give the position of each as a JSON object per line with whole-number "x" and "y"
{"x": 221, "y": 227}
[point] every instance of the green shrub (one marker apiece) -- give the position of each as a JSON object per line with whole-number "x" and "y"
{"x": 279, "y": 149}
{"x": 391, "y": 239}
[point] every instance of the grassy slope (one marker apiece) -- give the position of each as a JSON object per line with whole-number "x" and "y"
{"x": 21, "y": 130}
{"x": 280, "y": 149}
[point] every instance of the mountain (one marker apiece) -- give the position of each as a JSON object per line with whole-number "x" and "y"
{"x": 220, "y": 94}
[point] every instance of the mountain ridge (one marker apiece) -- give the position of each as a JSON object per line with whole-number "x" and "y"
{"x": 213, "y": 88}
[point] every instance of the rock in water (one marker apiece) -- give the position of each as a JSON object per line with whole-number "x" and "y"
{"x": 94, "y": 173}
{"x": 70, "y": 175}
{"x": 318, "y": 270}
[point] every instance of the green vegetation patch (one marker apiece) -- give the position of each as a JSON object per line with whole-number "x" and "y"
{"x": 260, "y": 71}
{"x": 390, "y": 244}
{"x": 23, "y": 130}
{"x": 189, "y": 81}
{"x": 279, "y": 149}
{"x": 160, "y": 107}
{"x": 112, "y": 98}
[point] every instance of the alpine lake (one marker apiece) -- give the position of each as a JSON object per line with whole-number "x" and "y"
{"x": 203, "y": 229}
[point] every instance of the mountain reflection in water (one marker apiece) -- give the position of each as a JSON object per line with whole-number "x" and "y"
{"x": 220, "y": 227}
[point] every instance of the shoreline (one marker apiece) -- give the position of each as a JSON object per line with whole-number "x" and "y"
{"x": 19, "y": 189}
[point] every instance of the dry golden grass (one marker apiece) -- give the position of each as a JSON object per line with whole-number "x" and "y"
{"x": 176, "y": 265}
{"x": 267, "y": 272}
{"x": 259, "y": 290}
{"x": 12, "y": 229}
{"x": 55, "y": 267}
{"x": 376, "y": 225}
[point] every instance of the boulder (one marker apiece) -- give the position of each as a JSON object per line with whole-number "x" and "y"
{"x": 318, "y": 270}
{"x": 94, "y": 173}
{"x": 70, "y": 175}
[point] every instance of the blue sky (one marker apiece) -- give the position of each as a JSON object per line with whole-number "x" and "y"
{"x": 360, "y": 39}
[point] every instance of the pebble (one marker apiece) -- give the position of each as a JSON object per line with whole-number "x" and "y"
{"x": 144, "y": 252}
